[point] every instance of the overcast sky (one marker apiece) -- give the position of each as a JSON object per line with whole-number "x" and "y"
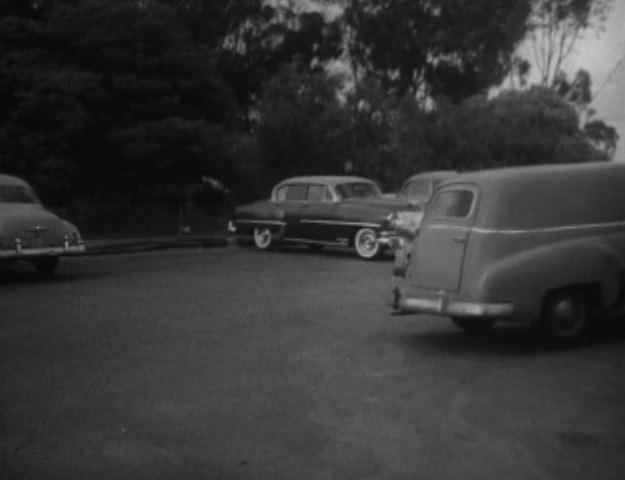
{"x": 604, "y": 58}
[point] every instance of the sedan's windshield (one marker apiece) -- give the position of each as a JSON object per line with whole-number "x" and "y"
{"x": 17, "y": 194}
{"x": 358, "y": 190}
{"x": 416, "y": 187}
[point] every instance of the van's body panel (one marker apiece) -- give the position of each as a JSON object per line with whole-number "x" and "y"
{"x": 529, "y": 231}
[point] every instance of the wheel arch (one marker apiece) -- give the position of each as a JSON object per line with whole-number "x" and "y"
{"x": 528, "y": 277}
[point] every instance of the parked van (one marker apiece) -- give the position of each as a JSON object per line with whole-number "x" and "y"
{"x": 541, "y": 245}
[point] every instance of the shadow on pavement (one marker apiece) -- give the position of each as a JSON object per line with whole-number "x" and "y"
{"x": 501, "y": 340}
{"x": 508, "y": 340}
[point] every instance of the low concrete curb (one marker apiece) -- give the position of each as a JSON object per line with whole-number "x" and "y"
{"x": 132, "y": 245}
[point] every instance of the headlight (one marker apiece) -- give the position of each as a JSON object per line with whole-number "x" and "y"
{"x": 392, "y": 219}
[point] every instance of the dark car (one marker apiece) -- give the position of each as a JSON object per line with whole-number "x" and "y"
{"x": 30, "y": 232}
{"x": 416, "y": 191}
{"x": 322, "y": 210}
{"x": 420, "y": 187}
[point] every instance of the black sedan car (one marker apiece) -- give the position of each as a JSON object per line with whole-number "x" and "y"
{"x": 323, "y": 211}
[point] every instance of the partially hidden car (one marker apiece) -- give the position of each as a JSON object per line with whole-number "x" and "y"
{"x": 542, "y": 246}
{"x": 416, "y": 191}
{"x": 29, "y": 232}
{"x": 320, "y": 211}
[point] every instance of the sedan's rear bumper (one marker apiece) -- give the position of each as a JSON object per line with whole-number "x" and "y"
{"x": 48, "y": 251}
{"x": 447, "y": 307}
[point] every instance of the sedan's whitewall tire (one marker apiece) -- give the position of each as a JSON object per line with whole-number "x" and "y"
{"x": 263, "y": 238}
{"x": 366, "y": 244}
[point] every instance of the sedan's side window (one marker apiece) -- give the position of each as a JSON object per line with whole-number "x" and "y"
{"x": 292, "y": 193}
{"x": 281, "y": 193}
{"x": 416, "y": 187}
{"x": 319, "y": 193}
{"x": 327, "y": 195}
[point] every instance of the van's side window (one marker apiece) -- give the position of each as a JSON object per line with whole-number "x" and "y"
{"x": 452, "y": 203}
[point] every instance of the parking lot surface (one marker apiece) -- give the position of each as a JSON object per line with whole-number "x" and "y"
{"x": 228, "y": 363}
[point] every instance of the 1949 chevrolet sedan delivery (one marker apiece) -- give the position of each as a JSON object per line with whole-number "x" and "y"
{"x": 323, "y": 210}
{"x": 30, "y": 232}
{"x": 542, "y": 246}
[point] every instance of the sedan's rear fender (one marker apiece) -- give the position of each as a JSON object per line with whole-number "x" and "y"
{"x": 261, "y": 213}
{"x": 525, "y": 278}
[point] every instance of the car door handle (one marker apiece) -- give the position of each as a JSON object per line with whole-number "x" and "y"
{"x": 459, "y": 239}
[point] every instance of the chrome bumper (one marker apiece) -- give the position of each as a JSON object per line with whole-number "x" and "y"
{"x": 387, "y": 238}
{"x": 451, "y": 308}
{"x": 27, "y": 252}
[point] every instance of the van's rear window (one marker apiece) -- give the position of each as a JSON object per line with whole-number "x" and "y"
{"x": 452, "y": 204}
{"x": 17, "y": 194}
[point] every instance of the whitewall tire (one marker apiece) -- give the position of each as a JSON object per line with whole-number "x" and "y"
{"x": 366, "y": 244}
{"x": 263, "y": 238}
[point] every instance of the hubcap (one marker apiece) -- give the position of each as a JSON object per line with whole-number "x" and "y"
{"x": 366, "y": 244}
{"x": 262, "y": 237}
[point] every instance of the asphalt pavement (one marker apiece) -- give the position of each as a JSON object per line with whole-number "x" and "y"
{"x": 236, "y": 364}
{"x": 104, "y": 246}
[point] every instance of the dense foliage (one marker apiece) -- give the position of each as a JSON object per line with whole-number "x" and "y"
{"x": 138, "y": 100}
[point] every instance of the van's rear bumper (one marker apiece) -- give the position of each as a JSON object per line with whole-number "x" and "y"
{"x": 442, "y": 305}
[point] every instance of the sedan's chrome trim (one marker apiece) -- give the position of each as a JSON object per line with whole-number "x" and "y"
{"x": 338, "y": 243}
{"x": 21, "y": 252}
{"x": 345, "y": 224}
{"x": 262, "y": 222}
{"x": 37, "y": 230}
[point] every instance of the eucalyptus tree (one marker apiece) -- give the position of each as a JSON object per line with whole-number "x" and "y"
{"x": 555, "y": 27}
{"x": 429, "y": 48}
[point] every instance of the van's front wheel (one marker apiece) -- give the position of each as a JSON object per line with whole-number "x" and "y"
{"x": 565, "y": 317}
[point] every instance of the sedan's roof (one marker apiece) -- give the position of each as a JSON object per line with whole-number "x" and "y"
{"x": 435, "y": 174}
{"x": 328, "y": 179}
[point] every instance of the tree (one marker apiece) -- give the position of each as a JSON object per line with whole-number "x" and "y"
{"x": 555, "y": 27}
{"x": 302, "y": 127}
{"x": 388, "y": 135}
{"x": 276, "y": 36}
{"x": 432, "y": 48}
{"x": 602, "y": 136}
{"x": 98, "y": 93}
{"x": 578, "y": 93}
{"x": 527, "y": 127}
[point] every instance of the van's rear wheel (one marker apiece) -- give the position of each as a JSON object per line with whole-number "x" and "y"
{"x": 565, "y": 317}
{"x": 473, "y": 325}
{"x": 263, "y": 238}
{"x": 366, "y": 244}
